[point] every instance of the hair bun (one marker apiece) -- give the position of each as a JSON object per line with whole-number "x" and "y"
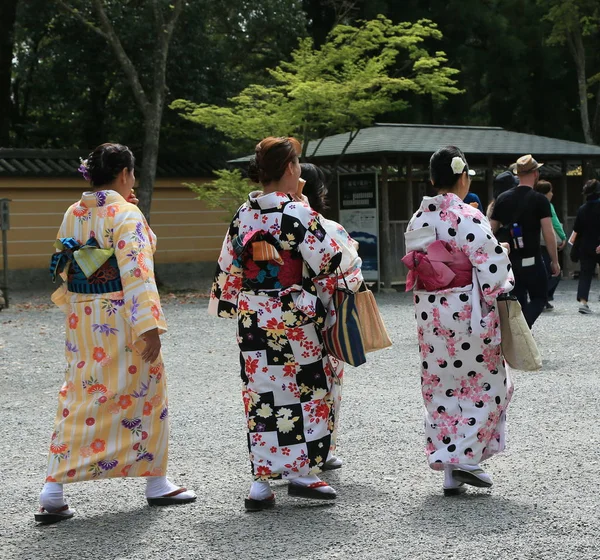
{"x": 254, "y": 171}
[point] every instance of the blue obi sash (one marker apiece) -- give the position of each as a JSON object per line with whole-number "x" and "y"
{"x": 90, "y": 269}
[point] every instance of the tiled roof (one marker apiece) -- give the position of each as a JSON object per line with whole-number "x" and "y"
{"x": 64, "y": 163}
{"x": 423, "y": 140}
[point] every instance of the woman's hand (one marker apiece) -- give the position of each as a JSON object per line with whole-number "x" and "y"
{"x": 598, "y": 250}
{"x": 132, "y": 198}
{"x": 153, "y": 344}
{"x": 300, "y": 198}
{"x": 506, "y": 246}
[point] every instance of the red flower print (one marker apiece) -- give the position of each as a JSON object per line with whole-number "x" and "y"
{"x": 155, "y": 311}
{"x": 273, "y": 449}
{"x": 98, "y": 445}
{"x": 125, "y": 470}
{"x": 90, "y": 421}
{"x": 121, "y": 244}
{"x": 144, "y": 435}
{"x": 102, "y": 399}
{"x": 50, "y": 479}
{"x": 97, "y": 388}
{"x": 58, "y": 448}
{"x": 79, "y": 211}
{"x": 65, "y": 412}
{"x": 154, "y": 370}
{"x": 99, "y": 354}
{"x": 251, "y": 365}
{"x": 141, "y": 260}
{"x": 147, "y": 409}
{"x": 71, "y": 473}
{"x": 111, "y": 210}
{"x": 124, "y": 401}
{"x": 73, "y": 320}
{"x": 81, "y": 364}
{"x": 322, "y": 411}
{"x": 285, "y": 451}
{"x": 136, "y": 446}
{"x": 137, "y": 272}
{"x": 88, "y": 310}
{"x": 296, "y": 334}
{"x": 132, "y": 370}
{"x": 263, "y": 471}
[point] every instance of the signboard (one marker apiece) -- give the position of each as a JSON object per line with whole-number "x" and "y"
{"x": 358, "y": 206}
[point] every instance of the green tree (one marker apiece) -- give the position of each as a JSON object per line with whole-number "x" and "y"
{"x": 8, "y": 16}
{"x": 226, "y": 192}
{"x": 150, "y": 97}
{"x": 341, "y": 86}
{"x": 575, "y": 22}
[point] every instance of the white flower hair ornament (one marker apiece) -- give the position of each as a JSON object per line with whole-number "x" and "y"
{"x": 458, "y": 165}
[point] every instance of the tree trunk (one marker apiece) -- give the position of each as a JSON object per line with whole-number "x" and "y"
{"x": 149, "y": 158}
{"x": 575, "y": 42}
{"x": 386, "y": 243}
{"x": 8, "y": 16}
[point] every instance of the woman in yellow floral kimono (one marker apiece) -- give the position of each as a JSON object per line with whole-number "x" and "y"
{"x": 112, "y": 418}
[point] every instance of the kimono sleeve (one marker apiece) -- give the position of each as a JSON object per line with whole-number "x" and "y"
{"x": 60, "y": 295}
{"x": 302, "y": 230}
{"x": 489, "y": 259}
{"x": 134, "y": 245}
{"x": 227, "y": 282}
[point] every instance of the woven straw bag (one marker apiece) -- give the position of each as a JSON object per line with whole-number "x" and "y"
{"x": 374, "y": 334}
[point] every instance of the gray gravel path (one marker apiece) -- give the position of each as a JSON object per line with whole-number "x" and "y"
{"x": 543, "y": 505}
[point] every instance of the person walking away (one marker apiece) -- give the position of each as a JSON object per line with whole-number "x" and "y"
{"x": 457, "y": 270}
{"x": 315, "y": 190}
{"x": 274, "y": 255}
{"x": 545, "y": 188}
{"x": 587, "y": 231}
{"x": 526, "y": 213}
{"x": 112, "y": 418}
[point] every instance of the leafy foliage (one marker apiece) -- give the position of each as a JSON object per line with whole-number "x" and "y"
{"x": 226, "y": 192}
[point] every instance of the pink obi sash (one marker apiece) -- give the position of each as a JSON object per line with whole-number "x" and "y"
{"x": 439, "y": 268}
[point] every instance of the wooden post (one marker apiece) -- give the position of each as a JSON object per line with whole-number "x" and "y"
{"x": 489, "y": 180}
{"x": 564, "y": 197}
{"x": 409, "y": 188}
{"x": 386, "y": 246}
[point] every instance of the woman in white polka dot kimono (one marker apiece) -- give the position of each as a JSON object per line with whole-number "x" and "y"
{"x": 457, "y": 269}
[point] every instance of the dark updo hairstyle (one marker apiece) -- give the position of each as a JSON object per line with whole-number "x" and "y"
{"x": 591, "y": 189}
{"x": 107, "y": 161}
{"x": 272, "y": 156}
{"x": 543, "y": 187}
{"x": 314, "y": 189}
{"x": 440, "y": 167}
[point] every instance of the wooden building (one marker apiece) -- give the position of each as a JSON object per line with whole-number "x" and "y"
{"x": 42, "y": 184}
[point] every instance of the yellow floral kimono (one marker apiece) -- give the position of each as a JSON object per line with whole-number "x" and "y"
{"x": 112, "y": 418}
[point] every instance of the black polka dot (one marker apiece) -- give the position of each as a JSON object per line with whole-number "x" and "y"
{"x": 451, "y": 232}
{"x": 468, "y": 450}
{"x": 457, "y": 364}
{"x": 444, "y": 364}
{"x": 425, "y": 224}
{"x": 479, "y": 358}
{"x": 498, "y": 249}
{"x": 479, "y": 404}
{"x": 486, "y": 386}
{"x": 470, "y": 237}
{"x": 417, "y": 300}
{"x": 472, "y": 373}
{"x": 458, "y": 220}
{"x": 425, "y": 365}
{"x": 446, "y": 440}
{"x": 452, "y": 448}
{"x": 493, "y": 268}
{"x": 465, "y": 346}
{"x": 487, "y": 340}
{"x": 463, "y": 297}
{"x": 424, "y": 316}
{"x": 472, "y": 421}
{"x": 476, "y": 221}
{"x": 443, "y": 300}
{"x": 489, "y": 236}
{"x": 508, "y": 266}
{"x": 441, "y": 409}
{"x": 497, "y": 400}
{"x": 419, "y": 214}
{"x": 431, "y": 299}
{"x": 485, "y": 287}
{"x": 431, "y": 207}
{"x": 449, "y": 393}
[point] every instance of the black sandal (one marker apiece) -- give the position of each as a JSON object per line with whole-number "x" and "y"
{"x": 170, "y": 499}
{"x": 311, "y": 491}
{"x": 46, "y": 517}
{"x": 259, "y": 505}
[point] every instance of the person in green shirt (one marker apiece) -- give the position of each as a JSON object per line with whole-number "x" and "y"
{"x": 545, "y": 188}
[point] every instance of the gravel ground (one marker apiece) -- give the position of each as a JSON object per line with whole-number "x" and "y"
{"x": 543, "y": 504}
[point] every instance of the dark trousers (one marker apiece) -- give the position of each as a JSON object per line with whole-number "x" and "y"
{"x": 531, "y": 287}
{"x": 586, "y": 272}
{"x": 552, "y": 280}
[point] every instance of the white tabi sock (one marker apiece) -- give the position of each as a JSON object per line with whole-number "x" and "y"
{"x": 159, "y": 486}
{"x": 52, "y": 497}
{"x": 260, "y": 490}
{"x": 312, "y": 479}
